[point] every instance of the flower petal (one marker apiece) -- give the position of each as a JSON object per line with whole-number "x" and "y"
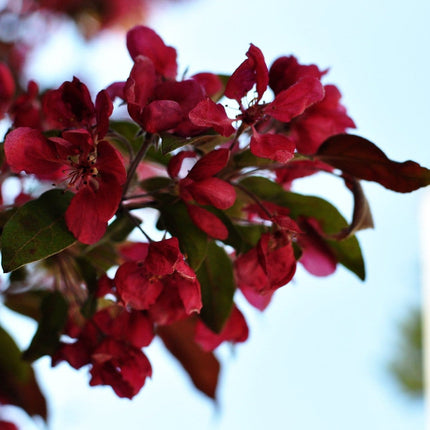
{"x": 143, "y": 41}
{"x": 28, "y": 150}
{"x": 296, "y": 99}
{"x": 210, "y": 164}
{"x": 214, "y": 192}
{"x": 209, "y": 114}
{"x": 273, "y": 146}
{"x": 208, "y": 222}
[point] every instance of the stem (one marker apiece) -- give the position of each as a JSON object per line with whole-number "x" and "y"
{"x": 255, "y": 198}
{"x": 133, "y": 166}
{"x": 137, "y": 224}
{"x": 239, "y": 131}
{"x": 123, "y": 140}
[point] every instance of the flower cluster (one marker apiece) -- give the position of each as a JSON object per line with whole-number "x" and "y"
{"x": 221, "y": 186}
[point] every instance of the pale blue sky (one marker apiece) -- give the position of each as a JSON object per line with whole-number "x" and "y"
{"x": 317, "y": 358}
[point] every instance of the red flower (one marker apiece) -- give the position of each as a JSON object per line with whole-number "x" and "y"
{"x": 70, "y": 106}
{"x": 322, "y": 120}
{"x": 93, "y": 171}
{"x": 201, "y": 186}
{"x": 268, "y": 266}
{"x": 121, "y": 366}
{"x": 161, "y": 282}
{"x": 210, "y": 114}
{"x": 287, "y": 105}
{"x": 111, "y": 342}
{"x": 286, "y": 71}
{"x": 144, "y": 42}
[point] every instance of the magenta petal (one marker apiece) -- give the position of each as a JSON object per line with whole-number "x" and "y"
{"x": 104, "y": 109}
{"x": 209, "y": 114}
{"x": 286, "y": 71}
{"x": 210, "y": 82}
{"x": 120, "y": 365}
{"x": 317, "y": 257}
{"x": 258, "y": 300}
{"x": 210, "y": 164}
{"x": 83, "y": 217}
{"x": 175, "y": 162}
{"x": 214, "y": 192}
{"x": 235, "y": 330}
{"x": 207, "y": 222}
{"x": 163, "y": 257}
{"x": 273, "y": 146}
{"x": 277, "y": 259}
{"x": 28, "y": 150}
{"x": 144, "y": 41}
{"x": 140, "y": 85}
{"x": 260, "y": 67}
{"x": 251, "y": 71}
{"x": 135, "y": 287}
{"x": 294, "y": 100}
{"x": 188, "y": 288}
{"x": 161, "y": 115}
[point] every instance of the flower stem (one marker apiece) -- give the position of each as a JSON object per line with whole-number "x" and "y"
{"x": 133, "y": 166}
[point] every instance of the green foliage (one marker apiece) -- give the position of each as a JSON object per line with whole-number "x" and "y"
{"x": 192, "y": 241}
{"x": 217, "y": 284}
{"x": 37, "y": 230}
{"x": 407, "y": 366}
{"x": 51, "y": 324}
{"x": 18, "y": 383}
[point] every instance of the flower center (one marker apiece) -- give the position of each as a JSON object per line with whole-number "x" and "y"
{"x": 82, "y": 172}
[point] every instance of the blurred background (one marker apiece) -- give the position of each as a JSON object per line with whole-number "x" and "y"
{"x": 329, "y": 353}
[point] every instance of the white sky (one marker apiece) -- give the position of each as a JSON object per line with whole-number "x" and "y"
{"x": 317, "y": 358}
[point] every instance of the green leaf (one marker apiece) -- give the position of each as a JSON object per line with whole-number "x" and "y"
{"x": 130, "y": 131}
{"x": 156, "y": 183}
{"x": 102, "y": 257}
{"x": 89, "y": 275}
{"x": 53, "y": 318}
{"x": 347, "y": 251}
{"x": 170, "y": 142}
{"x": 249, "y": 237}
{"x": 155, "y": 155}
{"x": 120, "y": 228}
{"x": 217, "y": 284}
{"x": 192, "y": 241}
{"x": 18, "y": 383}
{"x": 248, "y": 159}
{"x": 5, "y": 216}
{"x": 204, "y": 143}
{"x": 37, "y": 230}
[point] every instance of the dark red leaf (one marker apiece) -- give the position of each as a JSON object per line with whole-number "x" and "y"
{"x": 362, "y": 159}
{"x": 18, "y": 384}
{"x": 201, "y": 366}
